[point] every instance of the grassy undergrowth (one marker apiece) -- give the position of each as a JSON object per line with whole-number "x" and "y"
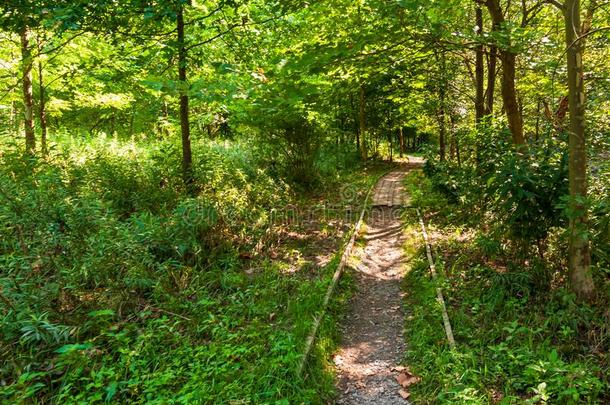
{"x": 516, "y": 342}
{"x": 118, "y": 286}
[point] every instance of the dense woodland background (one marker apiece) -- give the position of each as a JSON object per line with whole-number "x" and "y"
{"x": 145, "y": 146}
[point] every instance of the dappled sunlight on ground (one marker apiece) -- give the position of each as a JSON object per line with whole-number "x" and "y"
{"x": 373, "y": 344}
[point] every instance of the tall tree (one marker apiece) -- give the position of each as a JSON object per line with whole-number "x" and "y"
{"x": 442, "y": 104}
{"x": 42, "y": 111}
{"x": 579, "y": 250}
{"x": 508, "y": 59}
{"x": 26, "y": 80}
{"x": 479, "y": 69}
{"x": 492, "y": 60}
{"x": 185, "y": 128}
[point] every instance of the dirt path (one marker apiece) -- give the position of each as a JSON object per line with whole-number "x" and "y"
{"x": 373, "y": 341}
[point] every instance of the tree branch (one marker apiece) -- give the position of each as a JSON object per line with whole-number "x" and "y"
{"x": 556, "y": 4}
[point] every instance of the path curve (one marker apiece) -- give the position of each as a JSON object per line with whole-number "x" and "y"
{"x": 373, "y": 344}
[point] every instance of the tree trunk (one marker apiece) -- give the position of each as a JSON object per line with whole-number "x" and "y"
{"x": 441, "y": 110}
{"x": 509, "y": 97}
{"x": 479, "y": 70}
{"x": 26, "y": 61}
{"x": 509, "y": 92}
{"x": 185, "y": 129}
{"x": 42, "y": 107}
{"x": 391, "y": 136}
{"x": 401, "y": 139}
{"x": 441, "y": 124}
{"x": 579, "y": 250}
{"x": 537, "y": 130}
{"x": 452, "y": 143}
{"x": 491, "y": 80}
{"x": 42, "y": 112}
{"x": 363, "y": 151}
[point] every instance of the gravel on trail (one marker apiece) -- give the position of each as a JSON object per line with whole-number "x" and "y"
{"x": 373, "y": 345}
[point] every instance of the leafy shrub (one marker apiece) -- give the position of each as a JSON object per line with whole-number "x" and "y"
{"x": 520, "y": 192}
{"x": 522, "y": 337}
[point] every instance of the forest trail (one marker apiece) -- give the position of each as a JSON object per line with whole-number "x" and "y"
{"x": 373, "y": 343}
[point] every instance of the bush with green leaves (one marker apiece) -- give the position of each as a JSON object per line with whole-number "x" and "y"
{"x": 520, "y": 191}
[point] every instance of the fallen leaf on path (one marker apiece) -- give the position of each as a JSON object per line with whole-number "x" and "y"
{"x": 404, "y": 394}
{"x": 402, "y": 378}
{"x": 406, "y": 379}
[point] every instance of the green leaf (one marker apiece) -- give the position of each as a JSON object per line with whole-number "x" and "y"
{"x": 73, "y": 347}
{"x": 111, "y": 391}
{"x": 101, "y": 313}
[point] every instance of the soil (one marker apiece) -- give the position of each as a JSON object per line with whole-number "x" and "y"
{"x": 373, "y": 344}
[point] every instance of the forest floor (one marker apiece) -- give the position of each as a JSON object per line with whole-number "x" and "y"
{"x": 373, "y": 345}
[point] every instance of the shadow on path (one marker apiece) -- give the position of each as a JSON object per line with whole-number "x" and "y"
{"x": 373, "y": 341}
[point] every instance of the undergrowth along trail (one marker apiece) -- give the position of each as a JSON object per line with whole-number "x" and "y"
{"x": 515, "y": 344}
{"x": 141, "y": 293}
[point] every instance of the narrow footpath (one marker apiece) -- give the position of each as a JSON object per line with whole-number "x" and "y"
{"x": 373, "y": 345}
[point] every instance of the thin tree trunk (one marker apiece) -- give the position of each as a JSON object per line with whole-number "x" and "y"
{"x": 537, "y": 133}
{"x": 42, "y": 112}
{"x": 376, "y": 138}
{"x": 491, "y": 80}
{"x": 390, "y": 134}
{"x": 479, "y": 70}
{"x": 452, "y": 143}
{"x": 363, "y": 151}
{"x": 26, "y": 58}
{"x": 441, "y": 110}
{"x": 442, "y": 126}
{"x": 509, "y": 96}
{"x": 42, "y": 109}
{"x": 579, "y": 250}
{"x": 185, "y": 129}
{"x": 401, "y": 139}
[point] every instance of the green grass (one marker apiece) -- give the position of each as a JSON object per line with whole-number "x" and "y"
{"x": 516, "y": 343}
{"x": 119, "y": 287}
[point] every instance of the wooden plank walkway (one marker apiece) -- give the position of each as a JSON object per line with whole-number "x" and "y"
{"x": 390, "y": 192}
